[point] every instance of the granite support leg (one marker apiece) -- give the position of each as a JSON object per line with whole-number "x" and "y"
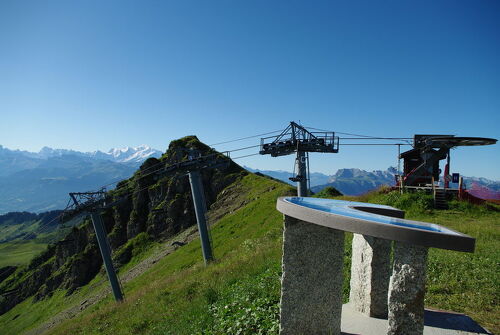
{"x": 370, "y": 274}
{"x": 407, "y": 289}
{"x": 311, "y": 286}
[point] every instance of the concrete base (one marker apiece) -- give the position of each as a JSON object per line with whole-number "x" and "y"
{"x": 407, "y": 289}
{"x": 311, "y": 286}
{"x": 436, "y": 323}
{"x": 370, "y": 273}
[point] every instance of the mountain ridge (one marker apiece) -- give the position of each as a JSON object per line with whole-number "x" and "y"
{"x": 127, "y": 154}
{"x": 354, "y": 181}
{"x": 38, "y": 182}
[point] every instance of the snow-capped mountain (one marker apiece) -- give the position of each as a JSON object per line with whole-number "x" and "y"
{"x": 47, "y": 152}
{"x": 129, "y": 154}
{"x": 40, "y": 181}
{"x": 132, "y": 155}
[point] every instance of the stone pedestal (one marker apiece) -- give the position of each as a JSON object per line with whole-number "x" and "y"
{"x": 311, "y": 287}
{"x": 370, "y": 273}
{"x": 407, "y": 290}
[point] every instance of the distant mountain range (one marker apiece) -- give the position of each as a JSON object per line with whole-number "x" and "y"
{"x": 41, "y": 181}
{"x": 356, "y": 181}
{"x": 17, "y": 160}
{"x": 348, "y": 181}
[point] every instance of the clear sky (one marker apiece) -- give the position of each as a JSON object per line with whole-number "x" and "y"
{"x": 92, "y": 75}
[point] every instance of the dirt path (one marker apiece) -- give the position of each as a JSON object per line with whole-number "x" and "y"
{"x": 166, "y": 248}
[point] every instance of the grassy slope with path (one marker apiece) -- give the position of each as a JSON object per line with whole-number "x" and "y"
{"x": 239, "y": 293}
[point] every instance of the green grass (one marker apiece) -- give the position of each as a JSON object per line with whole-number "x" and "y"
{"x": 19, "y": 252}
{"x": 174, "y": 296}
{"x": 468, "y": 282}
{"x": 462, "y": 282}
{"x": 10, "y": 231}
{"x": 239, "y": 292}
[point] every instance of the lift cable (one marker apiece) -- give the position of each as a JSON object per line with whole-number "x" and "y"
{"x": 116, "y": 181}
{"x": 364, "y": 136}
{"x": 245, "y": 138}
{"x": 146, "y": 187}
{"x": 44, "y": 229}
{"x": 153, "y": 169}
{"x": 245, "y": 156}
{"x": 160, "y": 166}
{"x": 245, "y": 148}
{"x": 374, "y": 144}
{"x": 375, "y": 138}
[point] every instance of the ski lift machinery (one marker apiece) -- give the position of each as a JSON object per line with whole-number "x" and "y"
{"x": 297, "y": 139}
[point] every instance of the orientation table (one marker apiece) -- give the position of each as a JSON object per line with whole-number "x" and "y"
{"x": 313, "y": 260}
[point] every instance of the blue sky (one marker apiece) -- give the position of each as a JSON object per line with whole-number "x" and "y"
{"x": 93, "y": 75}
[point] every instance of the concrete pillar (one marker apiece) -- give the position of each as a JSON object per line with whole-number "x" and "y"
{"x": 102, "y": 241}
{"x": 311, "y": 286}
{"x": 200, "y": 211}
{"x": 407, "y": 289}
{"x": 370, "y": 273}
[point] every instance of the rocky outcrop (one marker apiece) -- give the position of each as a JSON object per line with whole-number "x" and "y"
{"x": 6, "y": 271}
{"x": 154, "y": 205}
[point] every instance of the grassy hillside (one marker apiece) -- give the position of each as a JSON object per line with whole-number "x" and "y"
{"x": 24, "y": 235}
{"x": 19, "y": 252}
{"x": 462, "y": 282}
{"x": 239, "y": 292}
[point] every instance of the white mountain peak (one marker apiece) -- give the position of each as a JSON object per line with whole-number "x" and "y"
{"x": 133, "y": 155}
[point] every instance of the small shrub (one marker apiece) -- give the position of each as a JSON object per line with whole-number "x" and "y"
{"x": 412, "y": 202}
{"x": 328, "y": 192}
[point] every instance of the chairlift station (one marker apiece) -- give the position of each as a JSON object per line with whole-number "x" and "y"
{"x": 421, "y": 164}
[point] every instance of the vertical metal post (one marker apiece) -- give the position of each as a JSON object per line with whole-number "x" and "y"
{"x": 448, "y": 161}
{"x": 460, "y": 187}
{"x": 399, "y": 158}
{"x": 302, "y": 172}
{"x": 308, "y": 178}
{"x": 447, "y": 171}
{"x": 106, "y": 255}
{"x": 200, "y": 209}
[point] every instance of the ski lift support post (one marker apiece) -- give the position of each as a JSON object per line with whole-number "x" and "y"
{"x": 193, "y": 167}
{"x": 297, "y": 139}
{"x": 93, "y": 203}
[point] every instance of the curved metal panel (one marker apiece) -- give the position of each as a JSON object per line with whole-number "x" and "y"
{"x": 369, "y": 219}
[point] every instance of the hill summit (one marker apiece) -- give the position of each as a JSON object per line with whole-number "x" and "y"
{"x": 157, "y": 207}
